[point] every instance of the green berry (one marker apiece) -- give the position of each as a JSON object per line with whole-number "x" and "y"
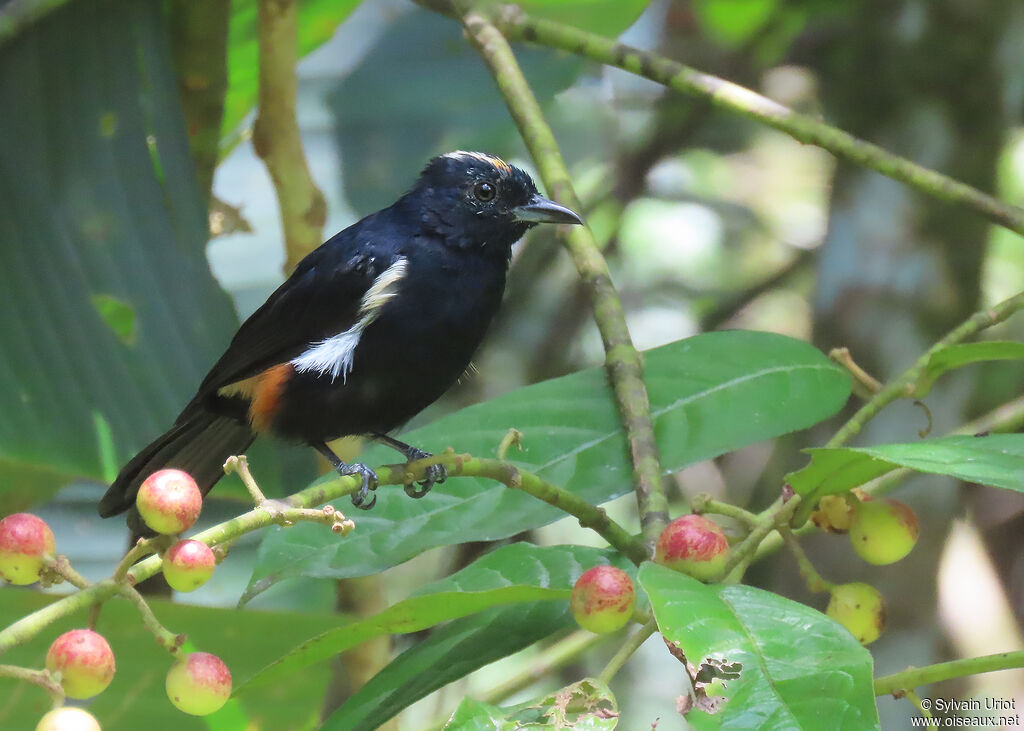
{"x": 860, "y": 608}
{"x": 603, "y": 599}
{"x": 883, "y": 531}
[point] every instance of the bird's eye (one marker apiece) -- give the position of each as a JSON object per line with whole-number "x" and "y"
{"x": 484, "y": 191}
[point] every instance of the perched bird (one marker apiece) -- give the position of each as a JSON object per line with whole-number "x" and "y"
{"x": 371, "y": 327}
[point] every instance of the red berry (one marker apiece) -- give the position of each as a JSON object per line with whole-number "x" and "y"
{"x": 169, "y": 501}
{"x": 883, "y": 531}
{"x": 68, "y": 718}
{"x": 188, "y": 565}
{"x": 199, "y": 684}
{"x": 84, "y": 660}
{"x": 24, "y": 541}
{"x": 602, "y": 599}
{"x": 693, "y": 545}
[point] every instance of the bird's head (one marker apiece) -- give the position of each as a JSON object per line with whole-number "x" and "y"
{"x": 475, "y": 200}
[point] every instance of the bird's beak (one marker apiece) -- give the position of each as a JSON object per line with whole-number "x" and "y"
{"x": 541, "y": 210}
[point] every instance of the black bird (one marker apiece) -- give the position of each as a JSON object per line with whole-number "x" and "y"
{"x": 370, "y": 328}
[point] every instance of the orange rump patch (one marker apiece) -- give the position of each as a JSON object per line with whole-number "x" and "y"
{"x": 265, "y": 394}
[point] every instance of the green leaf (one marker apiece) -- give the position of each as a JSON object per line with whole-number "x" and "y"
{"x": 520, "y": 572}
{"x": 996, "y": 460}
{"x": 731, "y": 22}
{"x": 710, "y": 394}
{"x": 317, "y": 21}
{"x": 107, "y": 304}
{"x": 604, "y": 17}
{"x": 449, "y": 653}
{"x": 797, "y": 668}
{"x": 586, "y": 704}
{"x": 957, "y": 356}
{"x": 245, "y": 640}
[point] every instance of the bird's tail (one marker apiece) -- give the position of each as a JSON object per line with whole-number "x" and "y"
{"x": 198, "y": 443}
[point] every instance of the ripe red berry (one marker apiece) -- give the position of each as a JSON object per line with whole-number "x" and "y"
{"x": 188, "y": 565}
{"x": 860, "y": 608}
{"x": 68, "y": 718}
{"x": 603, "y": 599}
{"x": 24, "y": 542}
{"x": 169, "y": 501}
{"x": 883, "y": 531}
{"x": 199, "y": 684}
{"x": 84, "y": 660}
{"x": 693, "y": 545}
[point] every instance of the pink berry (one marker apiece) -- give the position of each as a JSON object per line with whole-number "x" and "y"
{"x": 603, "y": 599}
{"x": 84, "y": 660}
{"x": 199, "y": 684}
{"x": 25, "y": 541}
{"x": 693, "y": 545}
{"x": 68, "y": 718}
{"x": 188, "y": 565}
{"x": 169, "y": 501}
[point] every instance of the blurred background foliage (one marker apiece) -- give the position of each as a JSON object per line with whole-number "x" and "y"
{"x": 113, "y": 304}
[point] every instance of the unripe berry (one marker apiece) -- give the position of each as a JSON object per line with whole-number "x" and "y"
{"x": 84, "y": 660}
{"x": 188, "y": 565}
{"x": 68, "y": 718}
{"x": 199, "y": 684}
{"x": 603, "y": 599}
{"x": 693, "y": 545}
{"x": 24, "y": 541}
{"x": 833, "y": 514}
{"x": 169, "y": 501}
{"x": 883, "y": 531}
{"x": 860, "y": 608}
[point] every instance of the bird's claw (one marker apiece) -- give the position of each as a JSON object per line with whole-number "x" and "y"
{"x": 369, "y": 484}
{"x": 436, "y": 475}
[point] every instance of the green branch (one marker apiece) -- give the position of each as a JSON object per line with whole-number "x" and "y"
{"x": 631, "y": 645}
{"x": 622, "y": 360}
{"x": 298, "y": 507}
{"x": 906, "y": 385}
{"x": 916, "y": 677}
{"x": 517, "y": 25}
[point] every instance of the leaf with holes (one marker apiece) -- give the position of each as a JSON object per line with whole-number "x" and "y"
{"x": 796, "y": 667}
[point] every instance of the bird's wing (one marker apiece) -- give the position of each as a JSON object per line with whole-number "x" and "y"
{"x": 326, "y": 295}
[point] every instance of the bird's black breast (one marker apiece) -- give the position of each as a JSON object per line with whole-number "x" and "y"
{"x": 418, "y": 346}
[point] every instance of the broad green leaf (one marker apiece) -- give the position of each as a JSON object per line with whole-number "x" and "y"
{"x": 245, "y": 640}
{"x": 604, "y": 17}
{"x": 797, "y": 668}
{"x": 732, "y": 22}
{"x": 996, "y": 460}
{"x": 449, "y": 653}
{"x": 108, "y": 311}
{"x": 520, "y": 572}
{"x": 710, "y": 394}
{"x": 962, "y": 354}
{"x": 317, "y": 21}
{"x": 584, "y": 705}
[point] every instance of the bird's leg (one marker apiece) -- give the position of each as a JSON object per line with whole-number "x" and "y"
{"x": 436, "y": 473}
{"x": 357, "y": 468}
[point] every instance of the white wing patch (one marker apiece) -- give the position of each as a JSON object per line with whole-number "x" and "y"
{"x": 335, "y": 355}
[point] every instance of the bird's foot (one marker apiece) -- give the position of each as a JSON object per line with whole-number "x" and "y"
{"x": 436, "y": 474}
{"x": 369, "y": 484}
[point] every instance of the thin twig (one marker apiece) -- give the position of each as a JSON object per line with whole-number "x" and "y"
{"x": 631, "y": 645}
{"x": 916, "y": 677}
